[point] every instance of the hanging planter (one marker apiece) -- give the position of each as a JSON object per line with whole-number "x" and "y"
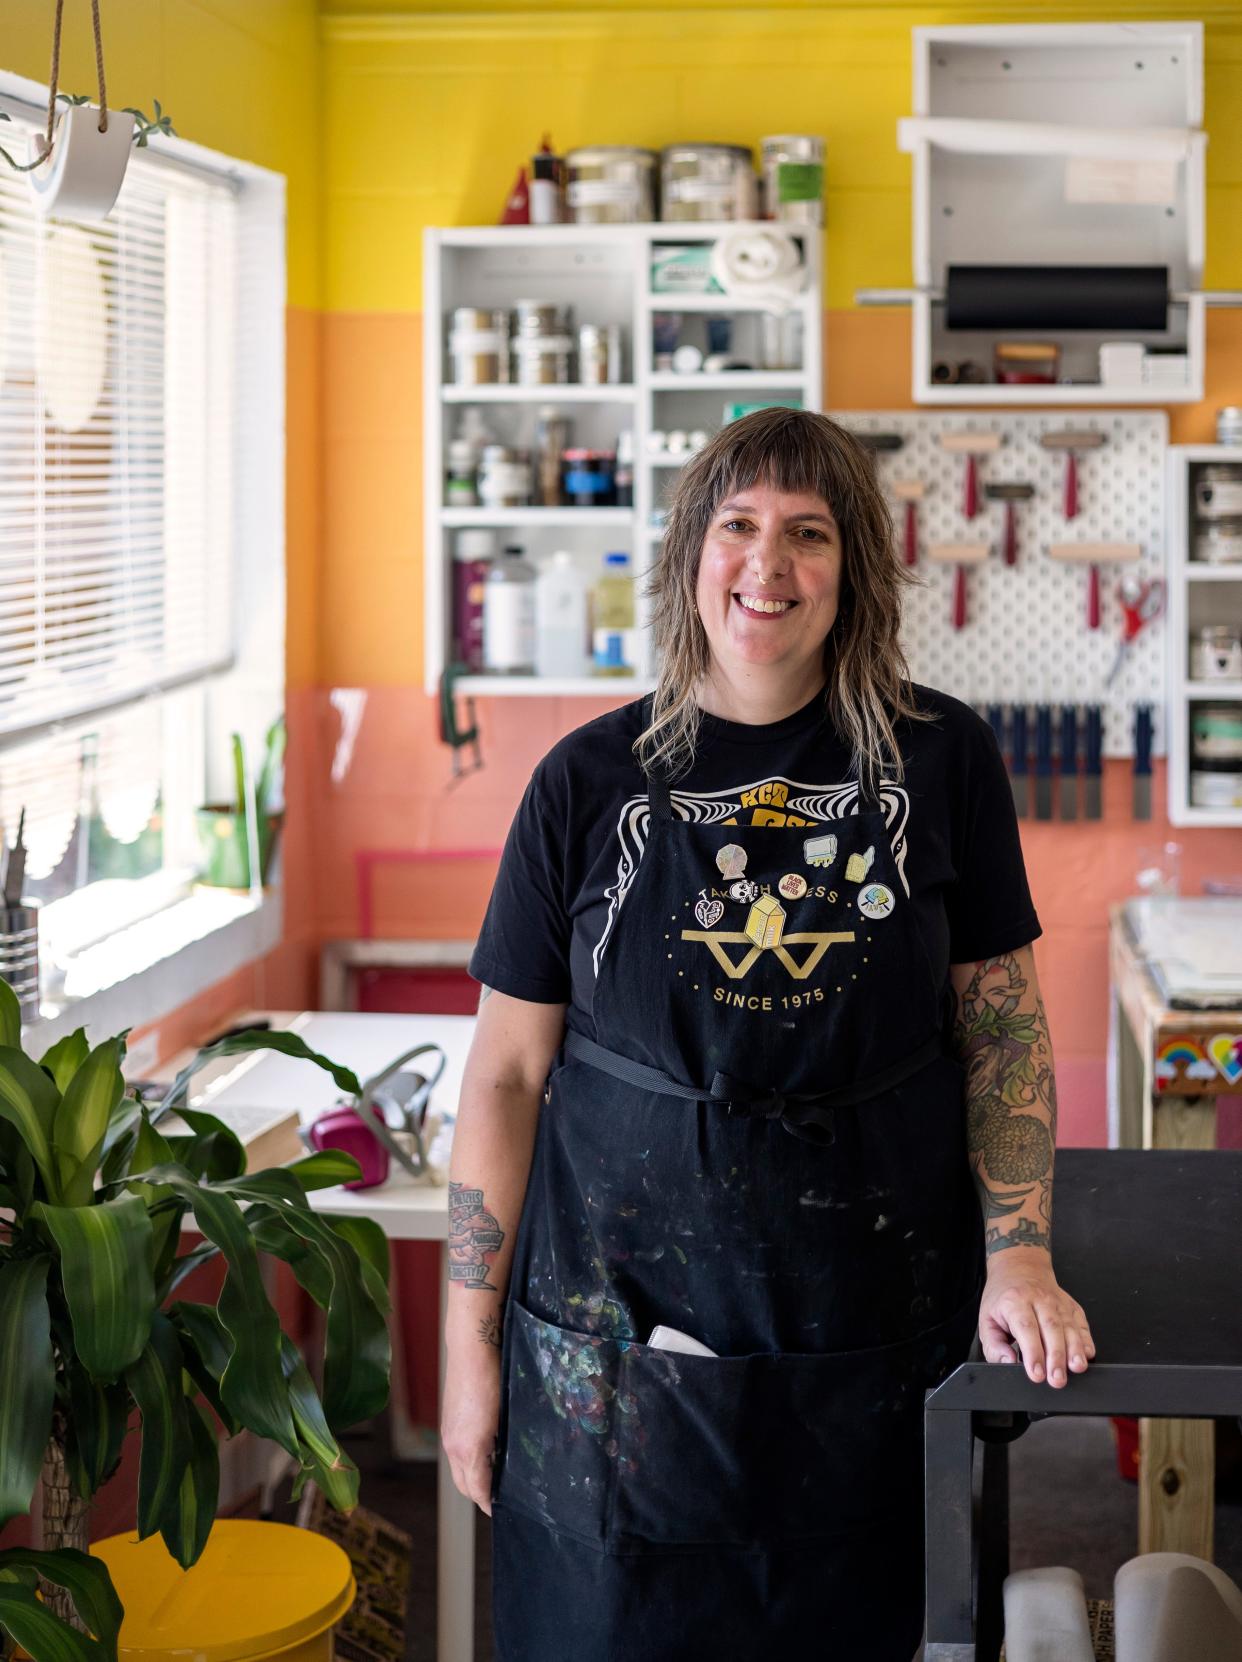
{"x": 75, "y": 168}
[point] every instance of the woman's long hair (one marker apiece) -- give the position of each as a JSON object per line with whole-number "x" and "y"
{"x": 868, "y": 689}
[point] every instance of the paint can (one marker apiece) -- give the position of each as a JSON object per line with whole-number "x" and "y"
{"x": 611, "y": 184}
{"x": 707, "y": 182}
{"x": 478, "y": 346}
{"x": 793, "y": 178}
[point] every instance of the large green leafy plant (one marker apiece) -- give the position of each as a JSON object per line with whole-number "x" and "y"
{"x": 93, "y": 1334}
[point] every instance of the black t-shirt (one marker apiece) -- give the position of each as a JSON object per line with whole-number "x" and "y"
{"x": 579, "y": 833}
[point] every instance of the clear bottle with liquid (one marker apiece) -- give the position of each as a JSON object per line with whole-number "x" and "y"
{"x": 562, "y": 618}
{"x": 509, "y": 615}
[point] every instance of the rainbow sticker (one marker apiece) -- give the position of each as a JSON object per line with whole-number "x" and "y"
{"x": 1184, "y": 1053}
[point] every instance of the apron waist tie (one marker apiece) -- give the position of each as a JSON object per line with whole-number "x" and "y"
{"x": 806, "y": 1114}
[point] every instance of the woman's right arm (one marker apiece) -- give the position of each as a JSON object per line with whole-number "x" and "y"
{"x": 502, "y": 1089}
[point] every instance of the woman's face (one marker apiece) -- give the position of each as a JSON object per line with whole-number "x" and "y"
{"x": 769, "y": 579}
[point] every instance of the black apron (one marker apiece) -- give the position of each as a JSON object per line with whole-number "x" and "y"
{"x": 764, "y": 1148}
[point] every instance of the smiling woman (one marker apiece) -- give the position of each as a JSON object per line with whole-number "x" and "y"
{"x": 729, "y": 934}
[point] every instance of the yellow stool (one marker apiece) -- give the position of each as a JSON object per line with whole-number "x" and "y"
{"x": 259, "y": 1590}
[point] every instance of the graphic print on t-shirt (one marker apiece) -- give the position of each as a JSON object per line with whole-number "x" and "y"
{"x": 772, "y": 801}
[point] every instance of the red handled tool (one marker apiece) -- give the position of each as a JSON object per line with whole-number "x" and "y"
{"x": 1142, "y": 602}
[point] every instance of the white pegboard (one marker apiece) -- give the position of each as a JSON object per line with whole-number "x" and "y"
{"x": 1026, "y": 638}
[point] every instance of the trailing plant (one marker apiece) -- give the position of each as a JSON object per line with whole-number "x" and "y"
{"x": 93, "y": 1334}
{"x": 144, "y": 126}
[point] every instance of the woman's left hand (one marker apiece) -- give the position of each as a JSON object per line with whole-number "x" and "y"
{"x": 1023, "y": 1305}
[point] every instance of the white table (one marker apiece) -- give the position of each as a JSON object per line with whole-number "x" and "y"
{"x": 405, "y": 1209}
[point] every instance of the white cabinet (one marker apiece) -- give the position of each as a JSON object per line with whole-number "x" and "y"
{"x": 604, "y": 273}
{"x": 1201, "y": 593}
{"x": 1065, "y": 145}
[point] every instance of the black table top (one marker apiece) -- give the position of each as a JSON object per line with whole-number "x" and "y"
{"x": 1149, "y": 1241}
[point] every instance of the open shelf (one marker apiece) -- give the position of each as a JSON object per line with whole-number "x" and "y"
{"x": 536, "y": 516}
{"x": 552, "y": 392}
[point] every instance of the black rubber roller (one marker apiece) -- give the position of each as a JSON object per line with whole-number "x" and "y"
{"x": 1121, "y": 299}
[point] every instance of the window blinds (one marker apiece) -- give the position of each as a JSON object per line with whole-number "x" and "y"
{"x": 117, "y": 401}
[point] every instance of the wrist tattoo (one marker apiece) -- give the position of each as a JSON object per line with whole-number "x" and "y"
{"x": 1024, "y": 1233}
{"x": 490, "y": 1331}
{"x": 474, "y": 1238}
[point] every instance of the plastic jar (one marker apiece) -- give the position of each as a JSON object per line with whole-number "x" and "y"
{"x": 589, "y": 478}
{"x": 707, "y": 182}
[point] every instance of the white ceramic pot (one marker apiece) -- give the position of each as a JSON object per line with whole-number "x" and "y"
{"x": 87, "y": 167}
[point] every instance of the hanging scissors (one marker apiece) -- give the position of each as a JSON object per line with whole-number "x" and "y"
{"x": 1142, "y": 602}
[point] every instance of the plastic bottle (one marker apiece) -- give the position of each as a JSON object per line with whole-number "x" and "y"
{"x": 562, "y": 618}
{"x": 473, "y": 552}
{"x": 509, "y": 615}
{"x": 613, "y": 620}
{"x": 623, "y": 478}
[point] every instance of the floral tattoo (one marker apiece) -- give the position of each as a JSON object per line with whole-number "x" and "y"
{"x": 1001, "y": 1034}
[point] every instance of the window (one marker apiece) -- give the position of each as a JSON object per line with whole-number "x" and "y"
{"x": 129, "y": 502}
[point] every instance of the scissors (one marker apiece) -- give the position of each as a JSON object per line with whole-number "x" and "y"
{"x": 1142, "y": 602}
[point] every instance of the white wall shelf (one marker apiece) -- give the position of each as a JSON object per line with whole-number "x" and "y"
{"x": 1198, "y": 595}
{"x": 564, "y": 392}
{"x": 604, "y": 273}
{"x": 1056, "y": 145}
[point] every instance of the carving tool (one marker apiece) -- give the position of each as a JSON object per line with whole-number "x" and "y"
{"x": 1094, "y": 761}
{"x": 1142, "y": 761}
{"x": 1069, "y": 761}
{"x": 1095, "y": 554}
{"x": 1020, "y": 764}
{"x": 1009, "y": 494}
{"x": 1071, "y": 440}
{"x": 909, "y": 492}
{"x": 971, "y": 444}
{"x": 1142, "y": 602}
{"x": 1043, "y": 761}
{"x": 959, "y": 555}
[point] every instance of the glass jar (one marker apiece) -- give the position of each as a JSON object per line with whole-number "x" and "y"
{"x": 1218, "y": 491}
{"x": 1216, "y": 653}
{"x": 1218, "y": 542}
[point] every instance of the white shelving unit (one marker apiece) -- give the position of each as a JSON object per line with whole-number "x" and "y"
{"x": 604, "y": 273}
{"x": 1199, "y": 594}
{"x": 1058, "y": 144}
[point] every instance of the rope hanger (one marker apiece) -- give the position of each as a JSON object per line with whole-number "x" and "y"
{"x": 54, "y": 81}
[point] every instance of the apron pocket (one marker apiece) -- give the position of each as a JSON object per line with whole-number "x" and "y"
{"x": 640, "y": 1449}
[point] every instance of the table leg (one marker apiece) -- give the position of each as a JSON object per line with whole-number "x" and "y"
{"x": 993, "y": 1551}
{"x": 948, "y": 1454}
{"x": 454, "y": 1548}
{"x": 1177, "y": 1458}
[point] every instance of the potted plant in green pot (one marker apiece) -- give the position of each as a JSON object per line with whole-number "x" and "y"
{"x": 92, "y": 1329}
{"x": 226, "y": 832}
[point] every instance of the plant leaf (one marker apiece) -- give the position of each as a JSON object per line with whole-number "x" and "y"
{"x": 87, "y": 1582}
{"x": 357, "y": 1351}
{"x": 65, "y": 1057}
{"x": 40, "y": 1634}
{"x": 289, "y": 1044}
{"x": 84, "y": 1113}
{"x": 252, "y": 1384}
{"x": 17, "y": 1171}
{"x": 10, "y": 1006}
{"x": 155, "y": 1380}
{"x": 370, "y": 1243}
{"x": 205, "y": 1353}
{"x": 98, "y": 1419}
{"x": 28, "y": 1100}
{"x": 27, "y": 1380}
{"x": 325, "y": 1169}
{"x": 105, "y": 1265}
{"x": 188, "y": 1521}
{"x": 333, "y": 1471}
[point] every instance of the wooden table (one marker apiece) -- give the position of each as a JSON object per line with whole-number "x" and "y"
{"x": 1172, "y": 1075}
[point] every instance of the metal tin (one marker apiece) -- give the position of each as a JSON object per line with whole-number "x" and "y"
{"x": 19, "y": 955}
{"x": 1229, "y": 425}
{"x": 1218, "y": 542}
{"x": 611, "y": 184}
{"x": 1216, "y": 735}
{"x": 1216, "y": 653}
{"x": 592, "y": 355}
{"x": 542, "y": 360}
{"x": 792, "y": 170}
{"x": 707, "y": 182}
{"x": 541, "y": 317}
{"x": 1218, "y": 490}
{"x": 478, "y": 346}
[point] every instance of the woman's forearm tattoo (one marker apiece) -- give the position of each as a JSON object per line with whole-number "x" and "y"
{"x": 1001, "y": 1034}
{"x": 490, "y": 1331}
{"x": 474, "y": 1238}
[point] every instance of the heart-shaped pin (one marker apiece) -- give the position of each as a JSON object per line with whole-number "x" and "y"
{"x": 709, "y": 912}
{"x": 1226, "y": 1051}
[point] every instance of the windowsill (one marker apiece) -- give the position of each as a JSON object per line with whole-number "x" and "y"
{"x": 154, "y": 965}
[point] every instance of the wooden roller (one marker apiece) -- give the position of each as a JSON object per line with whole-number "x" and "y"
{"x": 1095, "y": 554}
{"x": 959, "y": 555}
{"x": 909, "y": 492}
{"x": 970, "y": 444}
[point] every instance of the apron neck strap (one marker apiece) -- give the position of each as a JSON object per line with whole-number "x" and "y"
{"x": 658, "y": 799}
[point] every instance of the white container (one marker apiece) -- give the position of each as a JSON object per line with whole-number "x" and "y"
{"x": 562, "y": 618}
{"x": 83, "y": 177}
{"x": 509, "y": 615}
